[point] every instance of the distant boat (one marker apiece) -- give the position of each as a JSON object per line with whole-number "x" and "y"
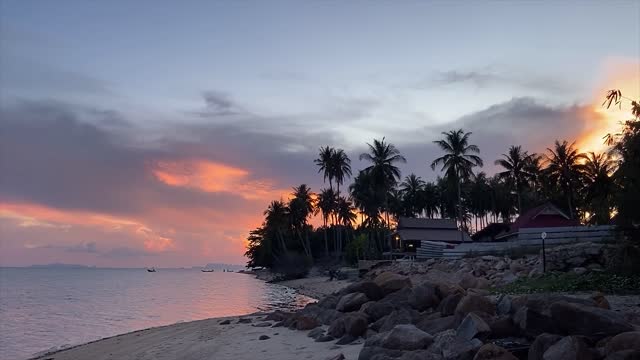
{"x": 151, "y": 270}
{"x": 207, "y": 270}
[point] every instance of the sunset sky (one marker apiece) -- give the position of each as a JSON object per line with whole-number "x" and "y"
{"x": 154, "y": 133}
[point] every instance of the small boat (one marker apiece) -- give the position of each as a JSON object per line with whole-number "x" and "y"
{"x": 207, "y": 270}
{"x": 151, "y": 270}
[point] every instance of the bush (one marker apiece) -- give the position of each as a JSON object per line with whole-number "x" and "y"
{"x": 292, "y": 265}
{"x": 605, "y": 282}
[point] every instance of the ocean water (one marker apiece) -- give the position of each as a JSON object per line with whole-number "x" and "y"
{"x": 45, "y": 308}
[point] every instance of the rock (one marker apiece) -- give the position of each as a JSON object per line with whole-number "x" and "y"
{"x": 434, "y": 326}
{"x": 346, "y": 339}
{"x": 336, "y": 329}
{"x": 277, "y": 316}
{"x": 624, "y": 341}
{"x": 478, "y": 292}
{"x": 469, "y": 281}
{"x": 397, "y": 317}
{"x": 406, "y": 337}
{"x": 264, "y": 337}
{"x": 328, "y": 316}
{"x": 306, "y": 323}
{"x": 445, "y": 289}
{"x": 533, "y": 323}
{"x": 474, "y": 303}
{"x": 390, "y": 282}
{"x": 424, "y": 296}
{"x": 503, "y": 305}
{"x": 541, "y": 344}
{"x": 351, "y": 302}
{"x": 579, "y": 270}
{"x": 315, "y": 333}
{"x": 500, "y": 265}
{"x": 325, "y": 338}
{"x": 450, "y": 347}
{"x": 367, "y": 287}
{"x": 448, "y": 304}
{"x": 378, "y": 353}
{"x": 624, "y": 355}
{"x": 509, "y": 278}
{"x": 244, "y": 321}
{"x": 493, "y": 352}
{"x": 263, "y": 324}
{"x": 278, "y": 324}
{"x": 419, "y": 355}
{"x": 225, "y": 322}
{"x": 600, "y": 300}
{"x": 376, "y": 310}
{"x": 329, "y": 302}
{"x": 398, "y": 299}
{"x": 355, "y": 324}
{"x": 337, "y": 357}
{"x": 577, "y": 319}
{"x": 473, "y": 327}
{"x": 569, "y": 348}
{"x": 502, "y": 326}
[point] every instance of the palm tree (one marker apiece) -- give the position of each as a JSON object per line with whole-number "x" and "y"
{"x": 326, "y": 204}
{"x": 516, "y": 164}
{"x": 346, "y": 213}
{"x": 599, "y": 186}
{"x": 385, "y": 174}
{"x": 340, "y": 170}
{"x": 431, "y": 199}
{"x": 301, "y": 207}
{"x": 564, "y": 168}
{"x": 325, "y": 164}
{"x": 413, "y": 195}
{"x": 276, "y": 221}
{"x": 459, "y": 159}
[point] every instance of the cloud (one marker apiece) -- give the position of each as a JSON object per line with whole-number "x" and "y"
{"x": 218, "y": 103}
{"x": 126, "y": 252}
{"x": 482, "y": 78}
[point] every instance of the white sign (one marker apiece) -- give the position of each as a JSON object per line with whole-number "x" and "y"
{"x": 543, "y": 235}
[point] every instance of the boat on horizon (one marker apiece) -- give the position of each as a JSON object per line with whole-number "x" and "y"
{"x": 207, "y": 270}
{"x": 151, "y": 270}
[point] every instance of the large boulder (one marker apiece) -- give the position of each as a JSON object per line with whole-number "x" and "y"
{"x": 327, "y": 316}
{"x": 541, "y": 344}
{"x": 569, "y": 348}
{"x": 624, "y": 355}
{"x": 376, "y": 309}
{"x": 390, "y": 282}
{"x": 469, "y": 281}
{"x": 424, "y": 296}
{"x": 378, "y": 353}
{"x": 493, "y": 352}
{"x": 448, "y": 305}
{"x": 367, "y": 287}
{"x": 434, "y": 326}
{"x": 503, "y": 305}
{"x": 396, "y": 317}
{"x": 329, "y": 302}
{"x": 624, "y": 341}
{"x": 355, "y": 324}
{"x": 502, "y": 326}
{"x": 351, "y": 302}
{"x": 473, "y": 327}
{"x": 399, "y": 299}
{"x": 448, "y": 345}
{"x": 533, "y": 323}
{"x": 577, "y": 319}
{"x": 474, "y": 303}
{"x": 406, "y": 337}
{"x": 306, "y": 323}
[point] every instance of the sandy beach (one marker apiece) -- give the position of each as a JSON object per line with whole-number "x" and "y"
{"x": 208, "y": 339}
{"x": 316, "y": 287}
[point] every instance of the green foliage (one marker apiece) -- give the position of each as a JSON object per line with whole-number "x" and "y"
{"x": 356, "y": 250}
{"x": 605, "y": 282}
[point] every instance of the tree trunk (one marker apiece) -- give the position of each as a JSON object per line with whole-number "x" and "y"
{"x": 326, "y": 241}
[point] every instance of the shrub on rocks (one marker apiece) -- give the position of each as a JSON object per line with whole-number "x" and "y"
{"x": 390, "y": 282}
{"x": 579, "y": 319}
{"x": 351, "y": 302}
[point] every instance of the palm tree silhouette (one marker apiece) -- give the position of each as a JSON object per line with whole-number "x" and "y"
{"x": 413, "y": 194}
{"x": 516, "y": 164}
{"x": 458, "y": 161}
{"x": 326, "y": 204}
{"x": 564, "y": 167}
{"x": 599, "y": 186}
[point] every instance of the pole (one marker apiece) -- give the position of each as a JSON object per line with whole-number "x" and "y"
{"x": 544, "y": 253}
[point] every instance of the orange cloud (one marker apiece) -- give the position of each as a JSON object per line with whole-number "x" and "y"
{"x": 211, "y": 176}
{"x": 618, "y": 74}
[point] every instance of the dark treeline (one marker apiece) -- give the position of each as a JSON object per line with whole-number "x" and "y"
{"x": 358, "y": 210}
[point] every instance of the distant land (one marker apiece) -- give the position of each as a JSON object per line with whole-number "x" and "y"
{"x": 63, "y": 266}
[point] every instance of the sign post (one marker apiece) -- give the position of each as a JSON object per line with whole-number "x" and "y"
{"x": 544, "y": 255}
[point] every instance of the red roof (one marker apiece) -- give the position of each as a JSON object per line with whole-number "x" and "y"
{"x": 546, "y": 215}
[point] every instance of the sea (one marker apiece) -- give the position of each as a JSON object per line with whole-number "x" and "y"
{"x": 43, "y": 309}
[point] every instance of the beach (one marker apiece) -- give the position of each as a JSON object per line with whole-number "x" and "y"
{"x": 208, "y": 339}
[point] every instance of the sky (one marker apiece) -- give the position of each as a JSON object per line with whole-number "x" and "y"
{"x": 155, "y": 133}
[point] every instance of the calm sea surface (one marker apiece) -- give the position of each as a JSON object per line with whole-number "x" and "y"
{"x": 44, "y": 308}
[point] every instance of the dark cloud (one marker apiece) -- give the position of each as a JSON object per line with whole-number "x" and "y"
{"x": 126, "y": 252}
{"x": 487, "y": 77}
{"x": 218, "y": 103}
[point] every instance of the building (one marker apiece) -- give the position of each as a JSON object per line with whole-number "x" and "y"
{"x": 543, "y": 217}
{"x": 411, "y": 232}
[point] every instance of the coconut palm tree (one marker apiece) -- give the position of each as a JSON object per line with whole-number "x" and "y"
{"x": 341, "y": 170}
{"x": 384, "y": 173}
{"x": 599, "y": 186}
{"x": 517, "y": 165}
{"x": 325, "y": 164}
{"x": 301, "y": 206}
{"x": 347, "y": 215}
{"x": 431, "y": 199}
{"x": 326, "y": 204}
{"x": 459, "y": 159}
{"x": 277, "y": 221}
{"x": 413, "y": 195}
{"x": 564, "y": 167}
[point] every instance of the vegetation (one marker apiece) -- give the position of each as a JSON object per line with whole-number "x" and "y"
{"x": 609, "y": 283}
{"x": 357, "y": 224}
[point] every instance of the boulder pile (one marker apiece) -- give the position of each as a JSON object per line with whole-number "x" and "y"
{"x": 400, "y": 319}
